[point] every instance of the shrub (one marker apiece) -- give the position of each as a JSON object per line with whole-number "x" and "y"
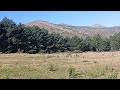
{"x": 71, "y": 71}
{"x": 85, "y": 61}
{"x": 77, "y": 51}
{"x": 52, "y": 68}
{"x": 94, "y": 61}
{"x": 112, "y": 76}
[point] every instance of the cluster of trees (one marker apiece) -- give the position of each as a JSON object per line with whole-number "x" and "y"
{"x": 19, "y": 38}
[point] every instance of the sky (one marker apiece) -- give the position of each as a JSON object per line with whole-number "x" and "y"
{"x": 75, "y": 18}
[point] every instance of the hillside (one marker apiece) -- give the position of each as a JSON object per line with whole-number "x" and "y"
{"x": 69, "y": 30}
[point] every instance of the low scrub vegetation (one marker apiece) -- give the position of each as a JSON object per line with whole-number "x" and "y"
{"x": 60, "y": 66}
{"x": 52, "y": 68}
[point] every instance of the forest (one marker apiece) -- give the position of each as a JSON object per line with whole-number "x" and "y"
{"x": 18, "y": 38}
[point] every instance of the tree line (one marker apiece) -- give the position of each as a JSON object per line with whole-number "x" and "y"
{"x": 15, "y": 38}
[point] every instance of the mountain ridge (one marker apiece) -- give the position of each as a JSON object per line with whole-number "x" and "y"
{"x": 81, "y": 31}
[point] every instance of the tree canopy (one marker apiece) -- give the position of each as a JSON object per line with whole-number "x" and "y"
{"x": 20, "y": 38}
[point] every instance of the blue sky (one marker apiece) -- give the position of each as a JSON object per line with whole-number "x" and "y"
{"x": 76, "y": 18}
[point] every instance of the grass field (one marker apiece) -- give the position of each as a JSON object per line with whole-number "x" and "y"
{"x": 88, "y": 65}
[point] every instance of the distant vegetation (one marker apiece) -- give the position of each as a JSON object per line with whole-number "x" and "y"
{"x": 20, "y": 38}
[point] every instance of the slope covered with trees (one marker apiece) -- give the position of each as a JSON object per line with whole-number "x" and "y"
{"x": 15, "y": 38}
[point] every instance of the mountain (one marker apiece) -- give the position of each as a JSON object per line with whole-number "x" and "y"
{"x": 98, "y": 26}
{"x": 81, "y": 31}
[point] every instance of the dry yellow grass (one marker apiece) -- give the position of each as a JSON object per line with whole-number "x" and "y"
{"x": 87, "y": 65}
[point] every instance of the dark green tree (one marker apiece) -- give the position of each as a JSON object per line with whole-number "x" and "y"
{"x": 96, "y": 42}
{"x": 105, "y": 45}
{"x": 114, "y": 45}
{"x": 3, "y": 39}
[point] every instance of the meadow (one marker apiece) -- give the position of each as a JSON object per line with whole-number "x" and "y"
{"x": 86, "y": 65}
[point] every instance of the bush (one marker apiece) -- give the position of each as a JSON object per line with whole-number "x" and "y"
{"x": 77, "y": 51}
{"x": 112, "y": 76}
{"x": 71, "y": 71}
{"x": 52, "y": 68}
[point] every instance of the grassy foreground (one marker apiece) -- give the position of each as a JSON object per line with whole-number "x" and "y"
{"x": 88, "y": 65}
